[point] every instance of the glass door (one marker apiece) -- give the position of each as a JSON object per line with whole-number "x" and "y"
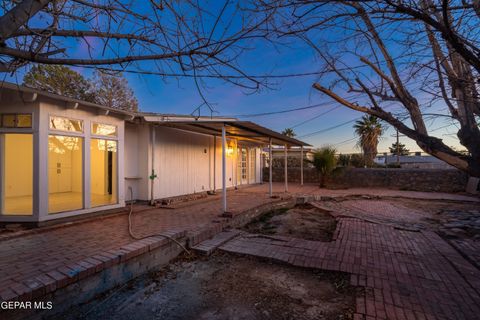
{"x": 243, "y": 166}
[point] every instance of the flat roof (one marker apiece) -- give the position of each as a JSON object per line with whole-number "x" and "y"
{"x": 17, "y": 87}
{"x": 243, "y": 130}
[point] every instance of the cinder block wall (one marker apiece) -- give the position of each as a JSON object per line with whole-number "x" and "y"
{"x": 441, "y": 180}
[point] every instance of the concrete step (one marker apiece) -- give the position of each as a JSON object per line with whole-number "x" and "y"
{"x": 208, "y": 246}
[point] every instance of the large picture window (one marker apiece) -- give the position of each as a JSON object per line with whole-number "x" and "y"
{"x": 65, "y": 173}
{"x": 16, "y": 174}
{"x": 103, "y": 172}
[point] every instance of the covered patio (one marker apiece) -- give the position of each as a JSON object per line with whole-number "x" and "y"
{"x": 242, "y": 132}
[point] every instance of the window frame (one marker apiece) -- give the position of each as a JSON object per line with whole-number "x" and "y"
{"x": 83, "y": 140}
{"x": 117, "y": 171}
{"x": 16, "y": 114}
{"x": 100, "y": 136}
{"x": 67, "y": 132}
{"x": 2, "y": 164}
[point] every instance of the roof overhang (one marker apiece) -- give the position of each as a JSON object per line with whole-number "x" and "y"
{"x": 242, "y": 130}
{"x": 70, "y": 103}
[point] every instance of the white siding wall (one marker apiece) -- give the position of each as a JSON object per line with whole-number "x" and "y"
{"x": 184, "y": 163}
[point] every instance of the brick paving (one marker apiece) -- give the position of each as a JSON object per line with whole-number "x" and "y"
{"x": 313, "y": 189}
{"x": 377, "y": 211}
{"x": 51, "y": 254}
{"x": 52, "y": 257}
{"x": 469, "y": 249}
{"x": 406, "y": 275}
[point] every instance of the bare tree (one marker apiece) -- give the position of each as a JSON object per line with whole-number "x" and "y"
{"x": 174, "y": 37}
{"x": 113, "y": 91}
{"x": 411, "y": 61}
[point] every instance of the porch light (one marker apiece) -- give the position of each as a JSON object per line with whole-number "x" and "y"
{"x": 229, "y": 150}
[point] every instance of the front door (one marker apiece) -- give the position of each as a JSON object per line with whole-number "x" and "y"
{"x": 242, "y": 165}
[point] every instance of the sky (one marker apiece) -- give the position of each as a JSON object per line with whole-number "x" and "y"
{"x": 172, "y": 95}
{"x": 181, "y": 96}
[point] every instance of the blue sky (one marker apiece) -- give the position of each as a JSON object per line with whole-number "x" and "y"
{"x": 173, "y": 95}
{"x": 181, "y": 96}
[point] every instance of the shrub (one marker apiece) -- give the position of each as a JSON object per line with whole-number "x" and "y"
{"x": 344, "y": 160}
{"x": 357, "y": 160}
{"x": 324, "y": 161}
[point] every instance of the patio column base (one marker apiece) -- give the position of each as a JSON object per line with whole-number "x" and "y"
{"x": 226, "y": 215}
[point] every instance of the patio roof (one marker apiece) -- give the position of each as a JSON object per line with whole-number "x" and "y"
{"x": 242, "y": 130}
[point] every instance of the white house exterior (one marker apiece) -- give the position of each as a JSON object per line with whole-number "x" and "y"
{"x": 61, "y": 157}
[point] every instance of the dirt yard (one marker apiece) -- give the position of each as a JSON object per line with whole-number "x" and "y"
{"x": 303, "y": 221}
{"x": 226, "y": 287}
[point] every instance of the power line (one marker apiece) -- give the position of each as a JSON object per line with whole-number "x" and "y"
{"x": 316, "y": 117}
{"x": 252, "y": 115}
{"x": 308, "y": 135}
{"x": 345, "y": 141}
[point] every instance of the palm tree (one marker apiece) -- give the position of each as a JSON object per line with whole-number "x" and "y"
{"x": 369, "y": 129}
{"x": 289, "y": 132}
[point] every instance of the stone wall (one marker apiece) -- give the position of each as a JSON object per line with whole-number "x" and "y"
{"x": 441, "y": 180}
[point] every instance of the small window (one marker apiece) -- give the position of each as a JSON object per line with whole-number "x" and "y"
{"x": 65, "y": 124}
{"x": 104, "y": 129}
{"x": 24, "y": 121}
{"x": 16, "y": 120}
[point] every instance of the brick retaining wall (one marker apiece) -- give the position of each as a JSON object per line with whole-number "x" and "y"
{"x": 440, "y": 180}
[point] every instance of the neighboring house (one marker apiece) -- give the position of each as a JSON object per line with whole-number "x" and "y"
{"x": 61, "y": 157}
{"x": 414, "y": 161}
{"x": 293, "y": 152}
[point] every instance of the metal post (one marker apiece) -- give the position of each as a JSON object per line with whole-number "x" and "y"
{"x": 301, "y": 165}
{"x": 153, "y": 175}
{"x": 224, "y": 170}
{"x": 286, "y": 168}
{"x": 270, "y": 159}
{"x": 214, "y": 163}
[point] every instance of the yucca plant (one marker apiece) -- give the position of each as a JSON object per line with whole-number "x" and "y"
{"x": 324, "y": 161}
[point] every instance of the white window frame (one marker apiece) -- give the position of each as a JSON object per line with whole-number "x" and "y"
{"x": 98, "y": 136}
{"x": 68, "y": 132}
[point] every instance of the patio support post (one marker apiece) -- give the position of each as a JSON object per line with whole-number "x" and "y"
{"x": 214, "y": 164}
{"x": 153, "y": 175}
{"x": 301, "y": 165}
{"x": 224, "y": 169}
{"x": 286, "y": 167}
{"x": 270, "y": 165}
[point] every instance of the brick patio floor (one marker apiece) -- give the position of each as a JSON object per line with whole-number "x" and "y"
{"x": 406, "y": 275}
{"x": 44, "y": 252}
{"x": 38, "y": 252}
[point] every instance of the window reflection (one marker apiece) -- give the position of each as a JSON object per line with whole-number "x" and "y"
{"x": 104, "y": 129}
{"x": 16, "y": 173}
{"x": 65, "y": 173}
{"x": 65, "y": 124}
{"x": 103, "y": 172}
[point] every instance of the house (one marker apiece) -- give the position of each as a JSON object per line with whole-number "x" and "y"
{"x": 294, "y": 152}
{"x": 416, "y": 161}
{"x": 61, "y": 157}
